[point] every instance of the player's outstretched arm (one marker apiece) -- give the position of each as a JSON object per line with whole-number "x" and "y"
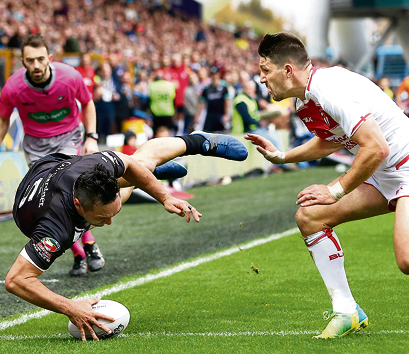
{"x": 139, "y": 176}
{"x": 313, "y": 149}
{"x": 22, "y": 281}
{"x": 90, "y": 122}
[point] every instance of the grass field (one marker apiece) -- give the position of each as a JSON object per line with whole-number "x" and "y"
{"x": 215, "y": 302}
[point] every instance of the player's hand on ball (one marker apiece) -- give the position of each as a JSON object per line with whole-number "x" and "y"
{"x": 315, "y": 194}
{"x": 84, "y": 317}
{"x": 181, "y": 208}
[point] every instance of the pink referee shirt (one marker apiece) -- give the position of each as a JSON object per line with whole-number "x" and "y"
{"x": 50, "y": 111}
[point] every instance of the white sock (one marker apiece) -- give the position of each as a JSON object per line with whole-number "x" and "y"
{"x": 328, "y": 256}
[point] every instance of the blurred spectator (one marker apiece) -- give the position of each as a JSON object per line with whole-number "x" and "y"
{"x": 162, "y": 132}
{"x": 246, "y": 118}
{"x": 191, "y": 103}
{"x": 161, "y": 103}
{"x": 141, "y": 92}
{"x": 385, "y": 84}
{"x": 181, "y": 73}
{"x": 117, "y": 68}
{"x": 125, "y": 105}
{"x": 71, "y": 43}
{"x": 87, "y": 71}
{"x": 215, "y": 98}
{"x": 195, "y": 64}
{"x": 129, "y": 146}
{"x": 16, "y": 40}
{"x": 402, "y": 94}
{"x": 167, "y": 71}
{"x": 200, "y": 34}
{"x": 105, "y": 94}
{"x": 204, "y": 80}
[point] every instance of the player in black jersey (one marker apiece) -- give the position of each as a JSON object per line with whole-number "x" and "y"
{"x": 63, "y": 196}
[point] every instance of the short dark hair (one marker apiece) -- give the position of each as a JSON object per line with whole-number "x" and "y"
{"x": 283, "y": 47}
{"x": 35, "y": 41}
{"x": 97, "y": 186}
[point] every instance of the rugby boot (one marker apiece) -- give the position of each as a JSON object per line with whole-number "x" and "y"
{"x": 95, "y": 259}
{"x": 170, "y": 170}
{"x": 80, "y": 266}
{"x": 342, "y": 324}
{"x": 222, "y": 145}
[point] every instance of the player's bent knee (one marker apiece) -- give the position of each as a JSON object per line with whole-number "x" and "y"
{"x": 403, "y": 265}
{"x": 303, "y": 218}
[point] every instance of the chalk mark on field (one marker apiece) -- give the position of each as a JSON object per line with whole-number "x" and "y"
{"x": 150, "y": 277}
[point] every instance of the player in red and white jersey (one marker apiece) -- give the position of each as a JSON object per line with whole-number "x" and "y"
{"x": 45, "y": 94}
{"x": 342, "y": 109}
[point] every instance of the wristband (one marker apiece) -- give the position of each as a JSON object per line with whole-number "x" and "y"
{"x": 276, "y": 157}
{"x": 337, "y": 191}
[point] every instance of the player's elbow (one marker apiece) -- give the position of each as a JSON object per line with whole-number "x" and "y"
{"x": 379, "y": 151}
{"x": 384, "y": 151}
{"x": 11, "y": 283}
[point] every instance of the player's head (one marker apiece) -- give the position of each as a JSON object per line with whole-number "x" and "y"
{"x": 36, "y": 57}
{"x": 85, "y": 60}
{"x": 281, "y": 55}
{"x": 96, "y": 195}
{"x": 249, "y": 88}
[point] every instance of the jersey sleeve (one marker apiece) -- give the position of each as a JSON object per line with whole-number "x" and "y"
{"x": 82, "y": 93}
{"x": 6, "y": 105}
{"x": 113, "y": 163}
{"x": 338, "y": 96}
{"x": 43, "y": 248}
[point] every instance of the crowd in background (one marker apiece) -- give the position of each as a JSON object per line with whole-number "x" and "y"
{"x": 142, "y": 42}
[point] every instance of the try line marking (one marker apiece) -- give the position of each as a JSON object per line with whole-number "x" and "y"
{"x": 205, "y": 334}
{"x": 150, "y": 277}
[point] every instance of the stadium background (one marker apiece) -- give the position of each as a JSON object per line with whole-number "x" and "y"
{"x": 138, "y": 249}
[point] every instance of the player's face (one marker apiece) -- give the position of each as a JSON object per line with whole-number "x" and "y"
{"x": 274, "y": 78}
{"x": 36, "y": 62}
{"x": 102, "y": 215}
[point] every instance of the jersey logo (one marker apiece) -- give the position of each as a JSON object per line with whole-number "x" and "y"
{"x": 30, "y": 192}
{"x": 53, "y": 116}
{"x": 113, "y": 159}
{"x": 61, "y": 98}
{"x": 50, "y": 244}
{"x": 78, "y": 233}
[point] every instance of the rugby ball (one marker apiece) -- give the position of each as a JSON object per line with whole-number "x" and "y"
{"x": 110, "y": 308}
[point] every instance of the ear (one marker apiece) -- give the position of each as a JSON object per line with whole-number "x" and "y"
{"x": 289, "y": 70}
{"x": 77, "y": 204}
{"x": 50, "y": 57}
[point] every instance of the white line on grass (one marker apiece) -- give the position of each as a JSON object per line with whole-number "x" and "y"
{"x": 150, "y": 277}
{"x": 205, "y": 334}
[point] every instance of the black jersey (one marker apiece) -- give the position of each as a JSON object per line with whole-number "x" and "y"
{"x": 215, "y": 97}
{"x": 44, "y": 205}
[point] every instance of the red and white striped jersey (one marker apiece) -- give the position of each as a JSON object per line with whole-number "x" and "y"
{"x": 338, "y": 101}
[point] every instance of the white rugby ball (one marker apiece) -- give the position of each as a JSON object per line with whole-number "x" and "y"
{"x": 110, "y": 308}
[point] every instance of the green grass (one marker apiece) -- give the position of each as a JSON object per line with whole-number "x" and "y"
{"x": 224, "y": 306}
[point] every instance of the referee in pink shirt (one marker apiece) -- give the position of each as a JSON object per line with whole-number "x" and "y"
{"x": 45, "y": 94}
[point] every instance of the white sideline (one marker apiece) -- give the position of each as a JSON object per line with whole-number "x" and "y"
{"x": 10, "y": 337}
{"x": 150, "y": 277}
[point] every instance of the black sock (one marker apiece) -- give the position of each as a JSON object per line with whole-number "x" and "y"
{"x": 194, "y": 144}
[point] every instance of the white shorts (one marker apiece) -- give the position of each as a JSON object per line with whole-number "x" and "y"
{"x": 392, "y": 183}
